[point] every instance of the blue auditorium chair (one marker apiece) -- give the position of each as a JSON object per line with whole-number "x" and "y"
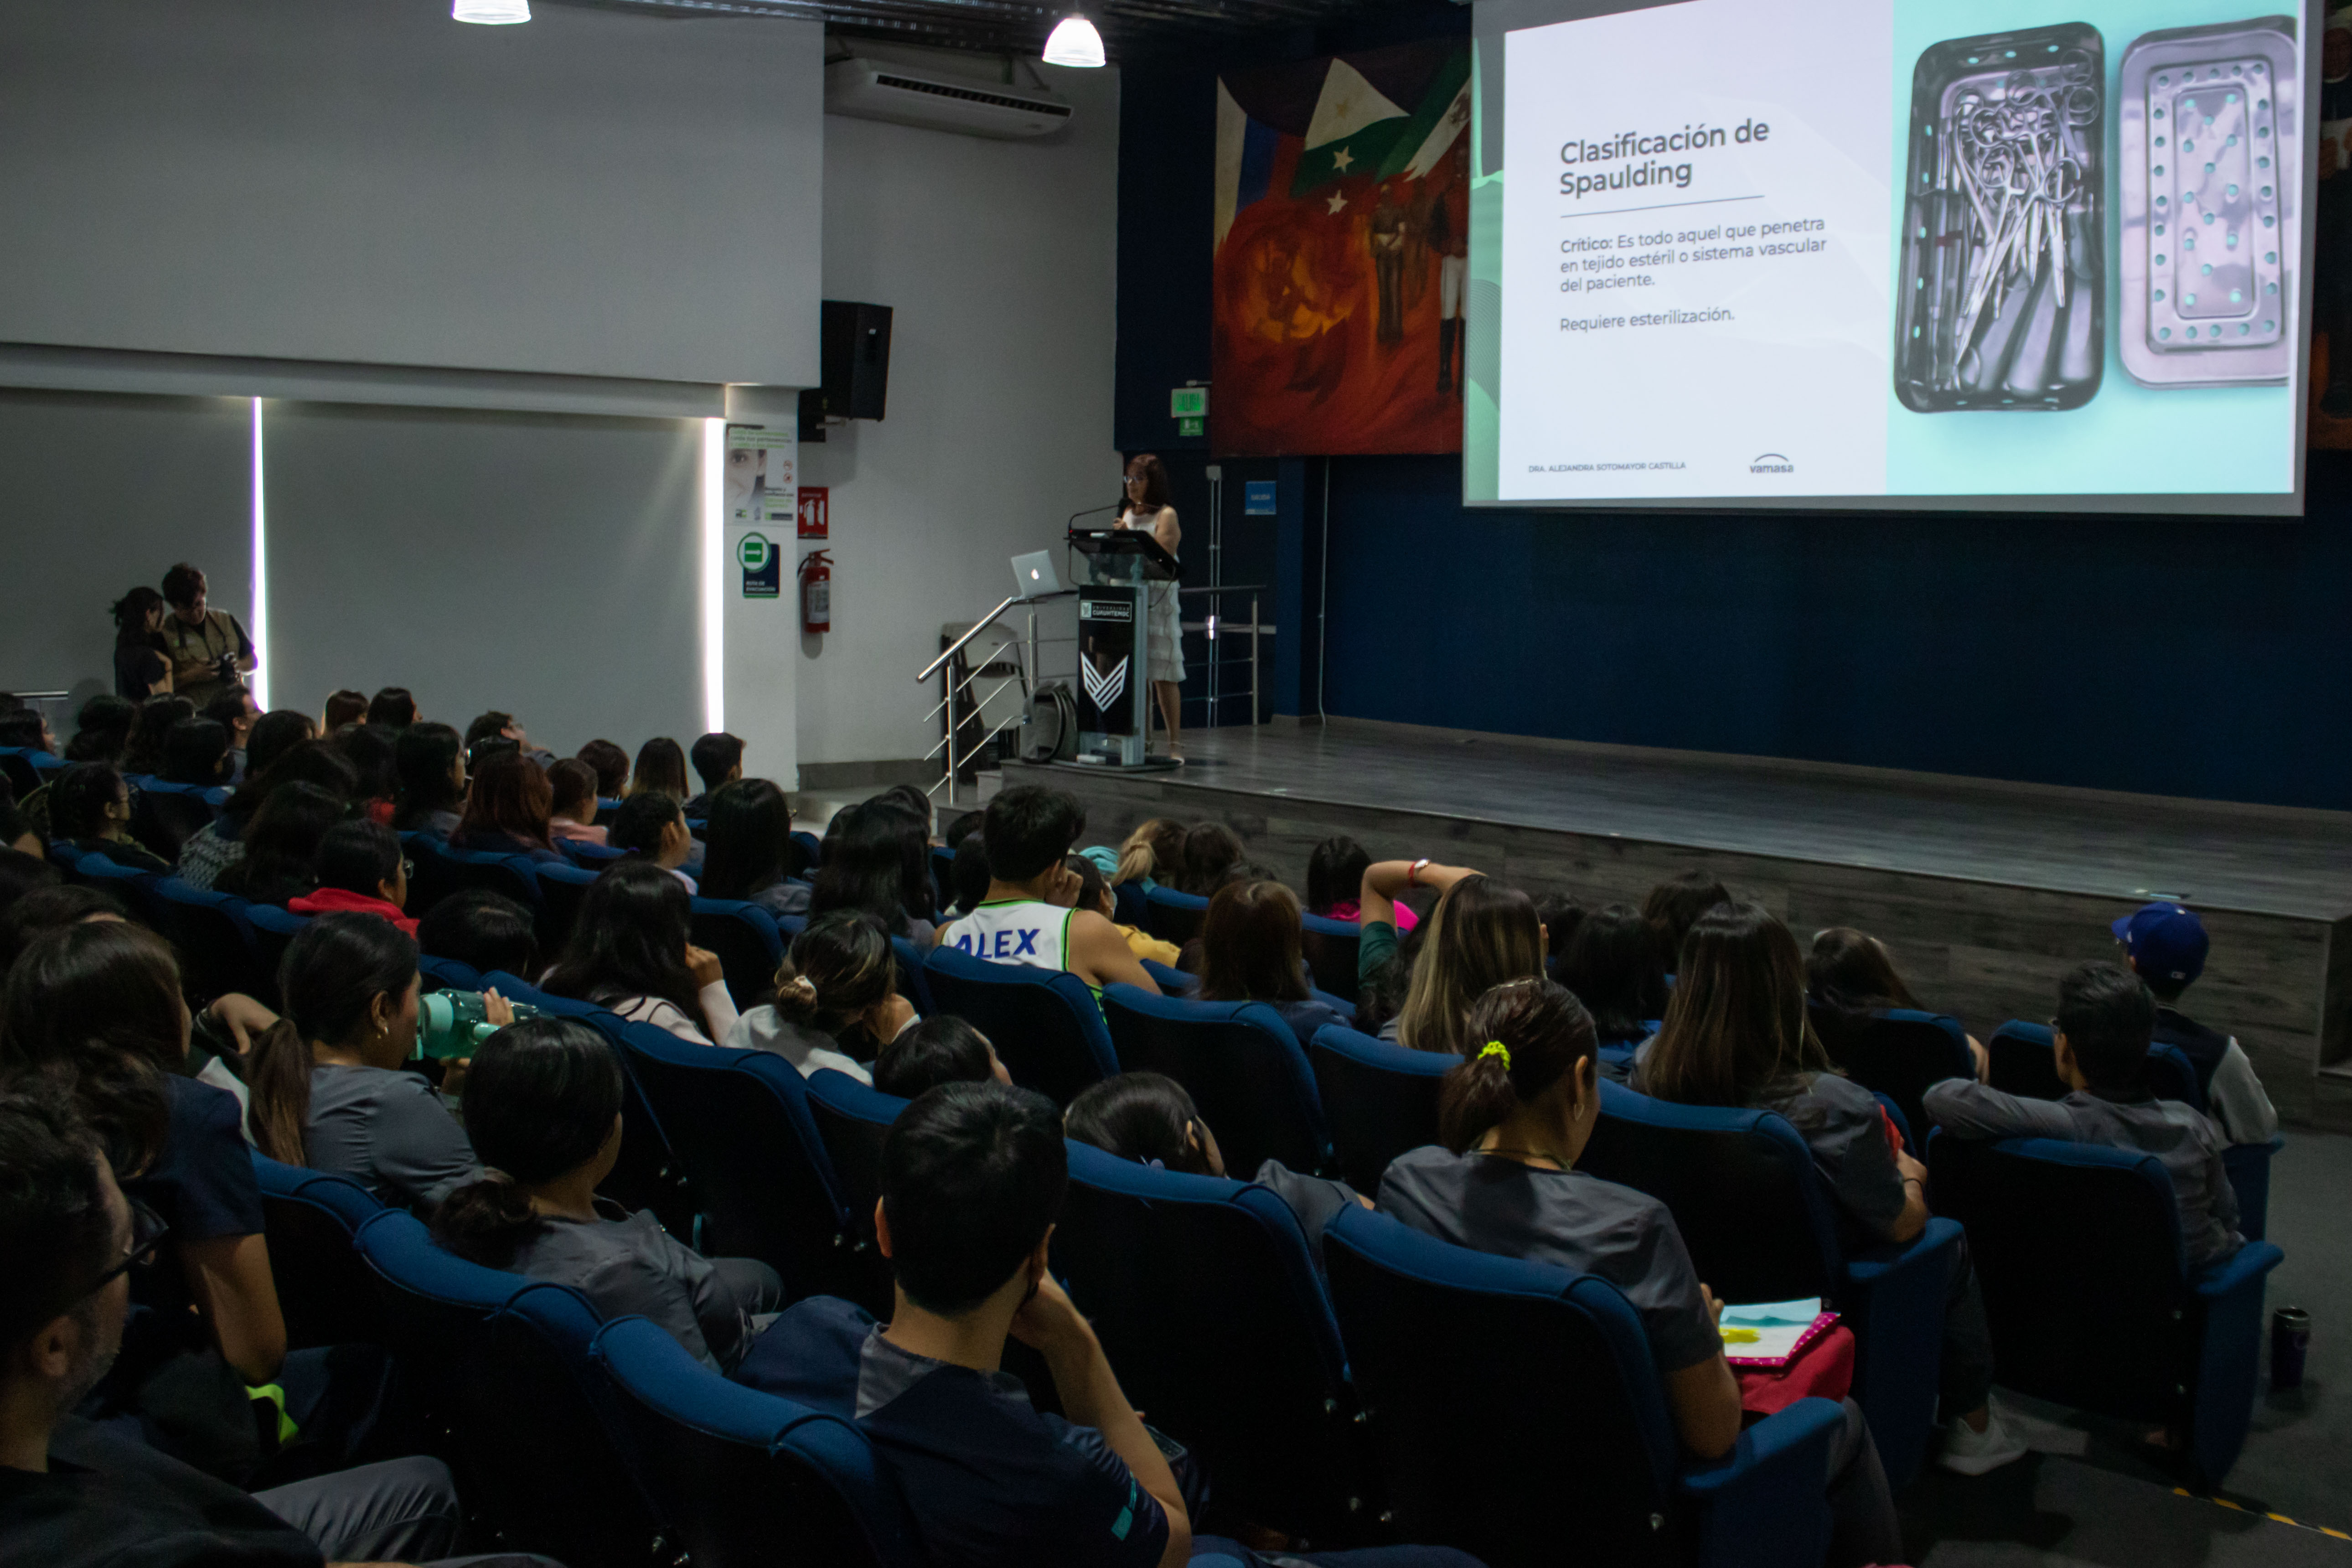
{"x": 1515, "y": 1412}
{"x": 511, "y": 876}
{"x": 216, "y": 942}
{"x": 164, "y": 816}
{"x": 309, "y": 1219}
{"x": 26, "y": 768}
{"x": 135, "y": 888}
{"x": 1381, "y": 1098}
{"x": 2249, "y": 1168}
{"x": 647, "y": 1175}
{"x": 428, "y": 1301}
{"x": 942, "y": 865}
{"x": 812, "y": 850}
{"x": 1762, "y": 1226}
{"x": 1171, "y": 982}
{"x": 748, "y": 946}
{"x": 1897, "y": 1053}
{"x": 851, "y": 1118}
{"x": 911, "y": 981}
{"x": 2089, "y": 1294}
{"x": 746, "y": 1479}
{"x": 560, "y": 891}
{"x": 757, "y": 1164}
{"x": 448, "y": 975}
{"x": 2025, "y": 1062}
{"x": 1330, "y": 948}
{"x": 1240, "y": 1064}
{"x": 1129, "y": 905}
{"x": 1172, "y": 916}
{"x": 1209, "y": 1305}
{"x": 596, "y": 857}
{"x": 274, "y": 929}
{"x": 1044, "y": 1024}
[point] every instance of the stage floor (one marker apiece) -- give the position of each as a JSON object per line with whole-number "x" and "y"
{"x": 1987, "y": 890}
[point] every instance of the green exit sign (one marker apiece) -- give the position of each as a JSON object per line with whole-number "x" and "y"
{"x": 1192, "y": 426}
{"x": 1189, "y": 402}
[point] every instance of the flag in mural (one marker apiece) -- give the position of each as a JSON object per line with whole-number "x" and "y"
{"x": 1342, "y": 247}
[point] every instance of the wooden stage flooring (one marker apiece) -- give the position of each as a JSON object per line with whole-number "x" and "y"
{"x": 1985, "y": 890}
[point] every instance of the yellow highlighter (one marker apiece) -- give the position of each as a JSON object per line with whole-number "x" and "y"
{"x": 1738, "y": 1336}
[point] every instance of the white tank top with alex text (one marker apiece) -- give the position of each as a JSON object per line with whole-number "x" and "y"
{"x": 1016, "y": 931}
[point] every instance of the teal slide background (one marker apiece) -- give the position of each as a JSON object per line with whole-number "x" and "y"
{"x": 2128, "y": 438}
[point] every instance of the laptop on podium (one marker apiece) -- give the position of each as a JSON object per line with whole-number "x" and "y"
{"x": 1034, "y": 576}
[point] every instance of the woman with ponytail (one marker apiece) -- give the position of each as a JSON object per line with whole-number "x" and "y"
{"x": 1513, "y": 1117}
{"x": 327, "y": 1085}
{"x": 543, "y": 1106}
{"x": 1736, "y": 1033}
{"x": 836, "y": 1003}
{"x": 1152, "y": 855}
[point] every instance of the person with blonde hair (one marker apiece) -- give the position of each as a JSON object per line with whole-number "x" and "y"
{"x": 1481, "y": 934}
{"x": 1152, "y": 855}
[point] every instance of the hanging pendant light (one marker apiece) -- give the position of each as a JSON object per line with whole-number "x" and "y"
{"x": 492, "y": 13}
{"x": 1075, "y": 42}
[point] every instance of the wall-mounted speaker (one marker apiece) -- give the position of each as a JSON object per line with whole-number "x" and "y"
{"x": 855, "y": 353}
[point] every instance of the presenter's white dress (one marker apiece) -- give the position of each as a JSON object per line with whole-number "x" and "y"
{"x": 1163, "y": 633}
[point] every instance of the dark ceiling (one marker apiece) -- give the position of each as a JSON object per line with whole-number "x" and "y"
{"x": 1131, "y": 29}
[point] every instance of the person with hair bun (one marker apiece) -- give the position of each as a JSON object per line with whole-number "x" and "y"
{"x": 543, "y": 1108}
{"x": 1152, "y": 855}
{"x": 836, "y": 1001}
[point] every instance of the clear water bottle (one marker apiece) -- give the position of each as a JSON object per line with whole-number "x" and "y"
{"x": 456, "y": 1023}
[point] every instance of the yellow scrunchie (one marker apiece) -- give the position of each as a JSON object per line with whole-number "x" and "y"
{"x": 1497, "y": 1048}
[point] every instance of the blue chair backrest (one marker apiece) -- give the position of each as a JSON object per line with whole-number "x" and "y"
{"x": 2025, "y": 1062}
{"x": 758, "y": 1167}
{"x": 851, "y": 1118}
{"x": 748, "y": 946}
{"x": 274, "y": 929}
{"x": 1171, "y": 982}
{"x": 911, "y": 983}
{"x": 1043, "y": 1023}
{"x": 1172, "y": 916}
{"x": 218, "y": 951}
{"x": 1752, "y": 1208}
{"x": 812, "y": 849}
{"x": 747, "y": 1479}
{"x": 133, "y": 886}
{"x": 308, "y": 1220}
{"x": 1381, "y": 1099}
{"x": 560, "y": 891}
{"x": 1209, "y": 1305}
{"x": 433, "y": 872}
{"x": 1242, "y": 1065}
{"x": 2080, "y": 1255}
{"x": 430, "y": 1301}
{"x": 1129, "y": 905}
{"x": 513, "y": 876}
{"x": 1446, "y": 1344}
{"x": 1897, "y": 1053}
{"x": 1330, "y": 948}
{"x": 24, "y": 766}
{"x": 540, "y": 1437}
{"x": 942, "y": 865}
{"x": 596, "y": 857}
{"x": 448, "y": 975}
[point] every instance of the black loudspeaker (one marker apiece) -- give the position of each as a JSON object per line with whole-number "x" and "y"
{"x": 856, "y": 357}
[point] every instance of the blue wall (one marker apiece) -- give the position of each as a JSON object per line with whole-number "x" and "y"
{"x": 2176, "y": 656}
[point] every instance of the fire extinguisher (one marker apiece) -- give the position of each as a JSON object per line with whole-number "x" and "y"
{"x": 816, "y": 590}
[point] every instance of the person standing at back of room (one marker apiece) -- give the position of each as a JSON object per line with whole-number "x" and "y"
{"x": 1030, "y": 916}
{"x": 207, "y": 648}
{"x": 1146, "y": 508}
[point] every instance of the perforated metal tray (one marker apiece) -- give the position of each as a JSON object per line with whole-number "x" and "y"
{"x": 2209, "y": 177}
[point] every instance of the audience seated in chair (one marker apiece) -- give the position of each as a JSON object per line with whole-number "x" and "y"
{"x": 507, "y": 811}
{"x": 281, "y": 844}
{"x": 1673, "y": 906}
{"x": 611, "y": 765}
{"x": 27, "y": 728}
{"x": 571, "y": 807}
{"x": 102, "y": 730}
{"x": 543, "y": 1110}
{"x": 1150, "y": 856}
{"x": 941, "y": 1049}
{"x": 2166, "y": 946}
{"x": 22, "y": 871}
{"x": 1736, "y": 1033}
{"x": 718, "y": 760}
{"x": 630, "y": 952}
{"x": 1250, "y": 953}
{"x": 1611, "y": 961}
{"x": 652, "y": 829}
{"x": 359, "y": 870}
{"x": 2106, "y": 1016}
{"x": 328, "y": 1087}
{"x": 967, "y": 875}
{"x": 31, "y": 904}
{"x": 1093, "y": 894}
{"x": 374, "y": 757}
{"x": 273, "y": 735}
{"x": 431, "y": 761}
{"x": 1029, "y": 915}
{"x": 1480, "y": 934}
{"x": 209, "y": 852}
{"x": 89, "y": 810}
{"x": 343, "y": 706}
{"x": 74, "y": 1490}
{"x": 660, "y": 769}
{"x": 749, "y": 852}
{"x": 142, "y": 753}
{"x": 1850, "y": 977}
{"x": 1211, "y": 849}
{"x": 1334, "y": 883}
{"x": 836, "y": 1000}
{"x": 486, "y": 931}
{"x": 1149, "y": 1118}
{"x": 234, "y": 710}
{"x": 878, "y": 860}
{"x": 394, "y": 709}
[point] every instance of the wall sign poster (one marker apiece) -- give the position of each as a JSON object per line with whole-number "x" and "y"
{"x": 763, "y": 566}
{"x": 2331, "y": 262}
{"x": 816, "y": 512}
{"x": 1341, "y": 256}
{"x": 761, "y": 483}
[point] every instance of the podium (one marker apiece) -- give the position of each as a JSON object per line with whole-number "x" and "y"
{"x": 1114, "y": 660}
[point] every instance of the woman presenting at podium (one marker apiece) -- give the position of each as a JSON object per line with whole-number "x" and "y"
{"x": 1147, "y": 507}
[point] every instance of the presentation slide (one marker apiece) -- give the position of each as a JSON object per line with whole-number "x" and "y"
{"x": 1874, "y": 253}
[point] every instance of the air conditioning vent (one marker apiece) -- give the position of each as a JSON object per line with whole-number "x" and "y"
{"x": 866, "y": 89}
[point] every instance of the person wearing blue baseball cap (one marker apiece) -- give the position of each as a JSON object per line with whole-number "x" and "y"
{"x": 2166, "y": 946}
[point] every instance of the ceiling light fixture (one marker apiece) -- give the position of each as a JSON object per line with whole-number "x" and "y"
{"x": 492, "y": 13}
{"x": 1074, "y": 42}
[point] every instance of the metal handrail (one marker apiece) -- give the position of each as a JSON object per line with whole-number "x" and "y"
{"x": 957, "y": 647}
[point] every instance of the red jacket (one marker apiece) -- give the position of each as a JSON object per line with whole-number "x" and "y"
{"x": 337, "y": 901}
